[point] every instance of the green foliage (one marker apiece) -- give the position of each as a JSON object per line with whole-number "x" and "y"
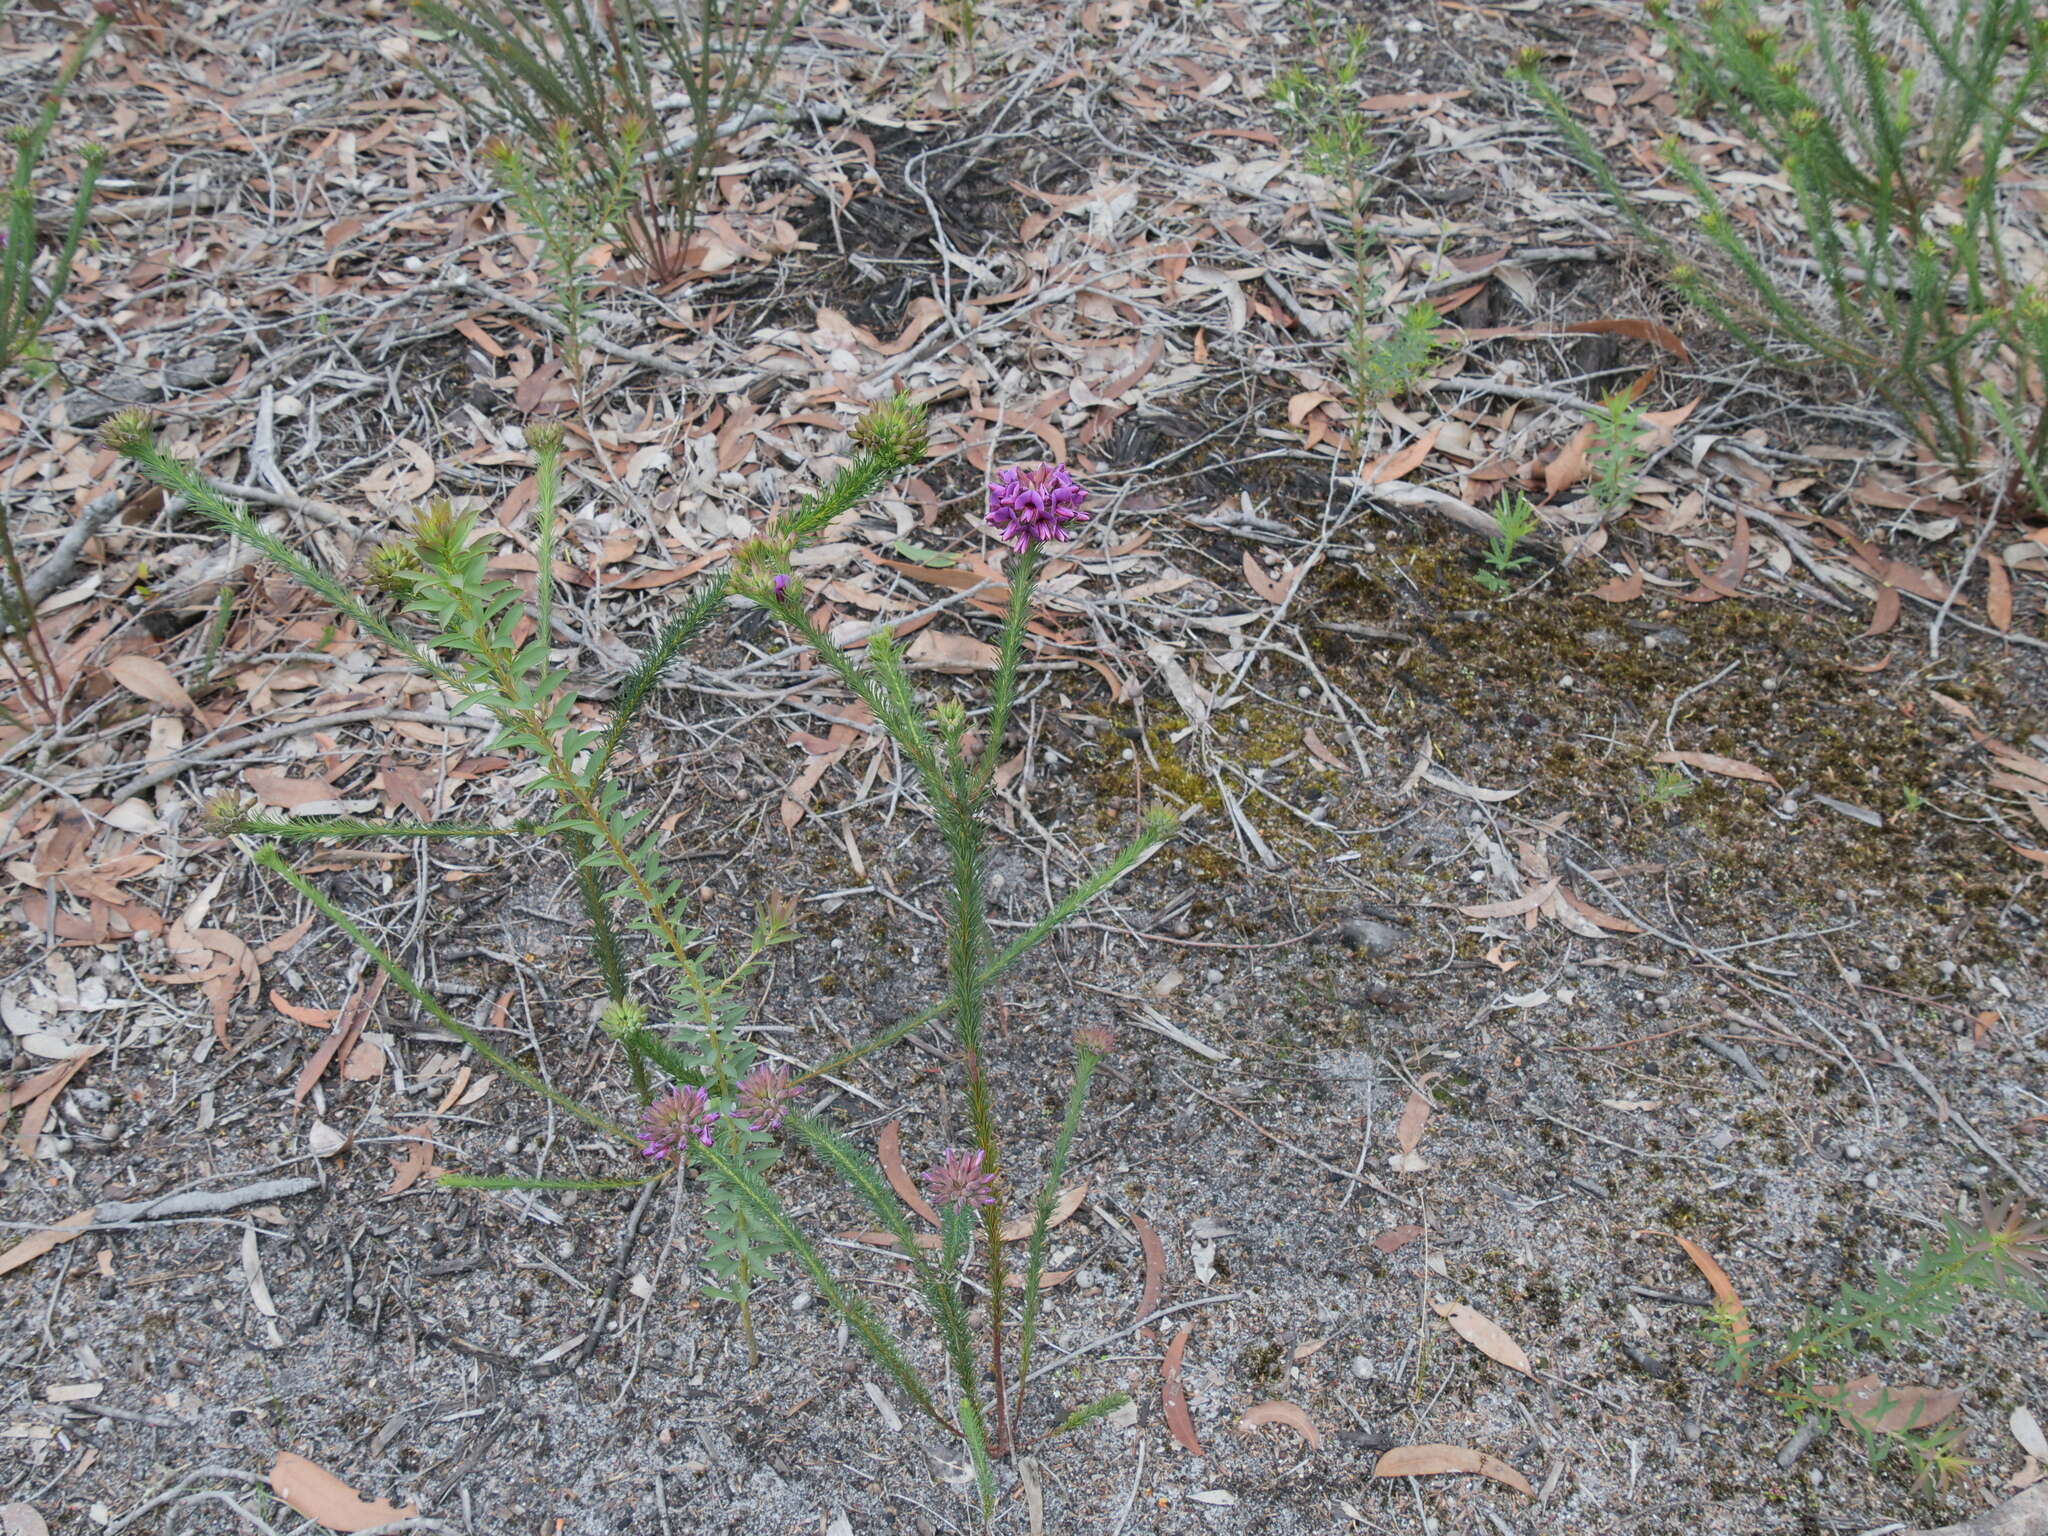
{"x": 1386, "y": 367}
{"x": 1615, "y": 454}
{"x": 25, "y": 308}
{"x": 2001, "y": 1254}
{"x": 26, "y": 305}
{"x": 600, "y": 71}
{"x": 1667, "y": 786}
{"x": 570, "y": 207}
{"x": 1092, "y": 1411}
{"x": 485, "y": 641}
{"x": 1895, "y": 168}
{"x": 1319, "y": 101}
{"x": 1514, "y": 519}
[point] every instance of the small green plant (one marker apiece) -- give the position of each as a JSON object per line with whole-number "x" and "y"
{"x": 1615, "y": 455}
{"x": 720, "y": 1109}
{"x": 1911, "y": 800}
{"x": 1809, "y": 1372}
{"x": 569, "y": 207}
{"x": 601, "y": 66}
{"x": 26, "y": 305}
{"x": 1319, "y": 101}
{"x": 1667, "y": 786}
{"x": 1902, "y": 272}
{"x": 1514, "y": 519}
{"x": 1387, "y": 367}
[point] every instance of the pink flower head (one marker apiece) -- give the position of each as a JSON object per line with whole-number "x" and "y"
{"x": 1095, "y": 1039}
{"x": 672, "y": 1122}
{"x": 958, "y": 1179}
{"x": 764, "y": 1095}
{"x": 1039, "y": 505}
{"x": 781, "y": 583}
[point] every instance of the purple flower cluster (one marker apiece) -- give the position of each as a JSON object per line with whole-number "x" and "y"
{"x": 673, "y": 1121}
{"x": 764, "y": 1096}
{"x": 959, "y": 1179}
{"x": 1039, "y": 505}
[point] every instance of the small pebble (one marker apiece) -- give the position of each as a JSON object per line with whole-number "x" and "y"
{"x": 1213, "y": 976}
{"x": 1870, "y": 1181}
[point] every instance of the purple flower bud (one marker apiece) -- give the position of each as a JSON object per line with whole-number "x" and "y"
{"x": 672, "y": 1122}
{"x": 1039, "y": 505}
{"x": 781, "y": 583}
{"x": 764, "y": 1095}
{"x": 958, "y": 1179}
{"x": 1095, "y": 1039}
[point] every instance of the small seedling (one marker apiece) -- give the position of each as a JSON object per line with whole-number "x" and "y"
{"x": 569, "y": 205}
{"x": 1387, "y": 367}
{"x": 1666, "y": 788}
{"x": 1616, "y": 454}
{"x": 1514, "y": 519}
{"x": 1815, "y": 1368}
{"x": 1911, "y": 800}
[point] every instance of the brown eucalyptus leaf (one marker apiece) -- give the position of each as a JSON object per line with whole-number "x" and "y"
{"x": 1436, "y": 1460}
{"x": 1290, "y": 1414}
{"x": 1887, "y": 1410}
{"x": 1484, "y": 1334}
{"x": 1174, "y": 1398}
{"x": 1714, "y": 762}
{"x": 889, "y": 1152}
{"x": 322, "y": 1497}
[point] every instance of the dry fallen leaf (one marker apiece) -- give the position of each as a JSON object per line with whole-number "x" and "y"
{"x": 1155, "y": 1268}
{"x": 1414, "y": 1116}
{"x": 21, "y": 1520}
{"x": 1714, "y": 762}
{"x": 940, "y": 650}
{"x": 322, "y": 1497}
{"x": 1484, "y": 1334}
{"x": 1015, "y": 1231}
{"x": 1887, "y": 1410}
{"x": 36, "y": 1244}
{"x": 889, "y": 1151}
{"x": 1722, "y": 1287}
{"x": 1175, "y": 1399}
{"x": 149, "y": 679}
{"x": 1396, "y": 1238}
{"x": 1623, "y": 589}
{"x": 1289, "y": 1414}
{"x": 1433, "y": 1460}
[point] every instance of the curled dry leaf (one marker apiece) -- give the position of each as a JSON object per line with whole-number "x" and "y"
{"x": 1155, "y": 1266}
{"x": 1484, "y": 1334}
{"x": 1714, "y": 762}
{"x": 1174, "y": 1398}
{"x": 1435, "y": 1460}
{"x": 1722, "y": 1287}
{"x": 1069, "y": 1202}
{"x": 320, "y": 1496}
{"x": 889, "y": 1152}
{"x": 1623, "y": 589}
{"x": 1290, "y": 1414}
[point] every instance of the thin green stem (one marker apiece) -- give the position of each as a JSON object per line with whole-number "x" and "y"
{"x": 275, "y": 862}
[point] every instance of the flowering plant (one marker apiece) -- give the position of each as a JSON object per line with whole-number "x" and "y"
{"x": 724, "y": 1112}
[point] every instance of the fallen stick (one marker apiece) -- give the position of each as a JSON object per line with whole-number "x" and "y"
{"x": 199, "y": 1202}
